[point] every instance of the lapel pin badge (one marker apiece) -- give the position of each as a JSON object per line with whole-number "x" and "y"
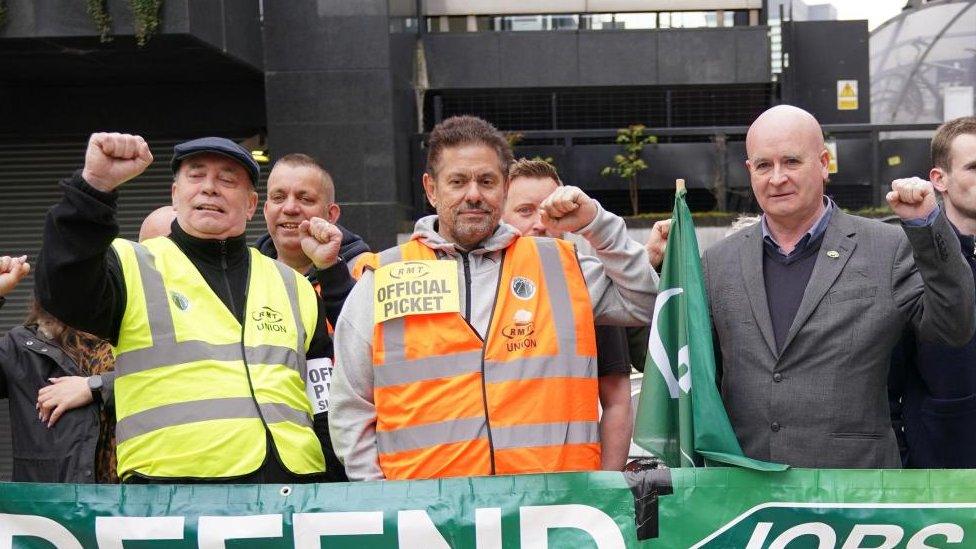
{"x": 833, "y": 254}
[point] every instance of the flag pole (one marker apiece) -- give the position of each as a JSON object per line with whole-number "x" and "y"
{"x": 679, "y": 185}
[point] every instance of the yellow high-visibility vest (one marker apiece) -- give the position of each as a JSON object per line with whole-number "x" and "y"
{"x": 194, "y": 389}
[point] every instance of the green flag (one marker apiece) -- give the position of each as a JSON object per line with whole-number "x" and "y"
{"x": 680, "y": 416}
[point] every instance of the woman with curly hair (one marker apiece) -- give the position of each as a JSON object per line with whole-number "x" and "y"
{"x": 61, "y": 431}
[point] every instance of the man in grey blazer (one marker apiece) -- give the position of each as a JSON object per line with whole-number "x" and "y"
{"x": 807, "y": 304}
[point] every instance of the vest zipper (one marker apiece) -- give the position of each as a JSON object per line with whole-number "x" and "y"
{"x": 484, "y": 347}
{"x": 230, "y": 293}
{"x": 467, "y": 289}
{"x": 269, "y": 440}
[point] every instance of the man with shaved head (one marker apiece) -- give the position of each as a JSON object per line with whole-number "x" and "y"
{"x": 299, "y": 188}
{"x": 158, "y": 223}
{"x": 808, "y": 303}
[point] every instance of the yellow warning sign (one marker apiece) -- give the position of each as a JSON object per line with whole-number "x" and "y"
{"x": 847, "y": 95}
{"x": 831, "y": 145}
{"x": 415, "y": 287}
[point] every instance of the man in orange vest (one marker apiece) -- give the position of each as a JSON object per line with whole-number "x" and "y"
{"x": 470, "y": 349}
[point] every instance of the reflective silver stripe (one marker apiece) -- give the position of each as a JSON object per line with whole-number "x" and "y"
{"x": 275, "y": 412}
{"x": 437, "y": 367}
{"x": 393, "y": 331}
{"x": 291, "y": 289}
{"x": 157, "y": 302}
{"x": 545, "y": 434}
{"x": 425, "y": 369}
{"x": 432, "y": 434}
{"x": 272, "y": 354}
{"x": 394, "y": 345}
{"x": 541, "y": 367}
{"x": 183, "y": 413}
{"x": 140, "y": 360}
{"x": 185, "y": 352}
{"x": 559, "y": 298}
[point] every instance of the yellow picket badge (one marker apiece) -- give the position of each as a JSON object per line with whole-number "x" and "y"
{"x": 415, "y": 287}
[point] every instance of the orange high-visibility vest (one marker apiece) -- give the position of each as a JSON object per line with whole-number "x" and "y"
{"x": 366, "y": 260}
{"x": 525, "y": 400}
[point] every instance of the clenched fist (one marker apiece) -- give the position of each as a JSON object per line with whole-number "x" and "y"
{"x": 567, "y": 209}
{"x": 321, "y": 241}
{"x": 114, "y": 158}
{"x": 12, "y": 270}
{"x": 911, "y": 198}
{"x": 657, "y": 243}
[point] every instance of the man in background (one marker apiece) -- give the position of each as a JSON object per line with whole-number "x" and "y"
{"x": 158, "y": 223}
{"x": 935, "y": 384}
{"x": 300, "y": 189}
{"x": 530, "y": 183}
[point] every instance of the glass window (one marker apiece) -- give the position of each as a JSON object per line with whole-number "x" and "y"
{"x": 537, "y": 22}
{"x": 563, "y": 22}
{"x": 522, "y": 23}
{"x": 455, "y": 23}
{"x": 635, "y": 20}
{"x": 687, "y": 19}
{"x": 596, "y": 21}
{"x": 910, "y": 69}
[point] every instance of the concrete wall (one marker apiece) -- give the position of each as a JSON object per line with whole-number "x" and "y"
{"x": 597, "y": 58}
{"x": 231, "y": 26}
{"x": 337, "y": 87}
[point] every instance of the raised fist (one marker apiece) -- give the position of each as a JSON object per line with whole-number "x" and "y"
{"x": 911, "y": 198}
{"x": 12, "y": 270}
{"x": 321, "y": 241}
{"x": 657, "y": 243}
{"x": 114, "y": 158}
{"x": 567, "y": 209}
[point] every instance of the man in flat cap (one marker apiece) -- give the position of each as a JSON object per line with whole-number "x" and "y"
{"x": 211, "y": 337}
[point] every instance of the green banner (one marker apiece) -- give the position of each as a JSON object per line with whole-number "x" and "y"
{"x": 803, "y": 508}
{"x": 582, "y": 510}
{"x": 681, "y": 508}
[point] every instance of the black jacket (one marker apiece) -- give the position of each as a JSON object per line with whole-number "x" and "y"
{"x": 79, "y": 279}
{"x": 932, "y": 391}
{"x": 65, "y": 452}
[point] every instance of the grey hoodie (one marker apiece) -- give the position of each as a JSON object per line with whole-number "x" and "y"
{"x": 622, "y": 289}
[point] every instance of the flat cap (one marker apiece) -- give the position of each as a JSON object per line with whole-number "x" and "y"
{"x": 217, "y": 145}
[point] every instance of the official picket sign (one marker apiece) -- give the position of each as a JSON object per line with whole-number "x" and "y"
{"x": 318, "y": 383}
{"x": 415, "y": 287}
{"x": 680, "y": 508}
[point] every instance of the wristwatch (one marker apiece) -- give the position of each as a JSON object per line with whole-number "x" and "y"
{"x": 95, "y": 385}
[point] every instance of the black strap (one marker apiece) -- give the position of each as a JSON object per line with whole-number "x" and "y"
{"x": 647, "y": 482}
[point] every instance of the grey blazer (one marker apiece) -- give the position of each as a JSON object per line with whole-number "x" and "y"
{"x": 822, "y": 401}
